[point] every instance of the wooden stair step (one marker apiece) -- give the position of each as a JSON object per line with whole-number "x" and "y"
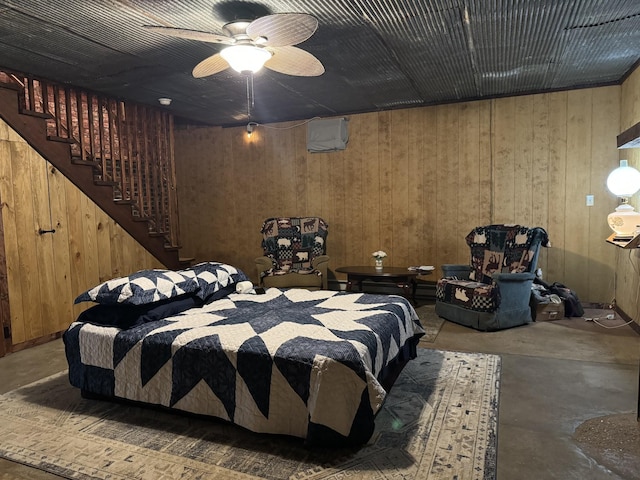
{"x": 105, "y": 158}
{"x": 125, "y": 202}
{"x": 186, "y": 261}
{"x": 88, "y": 163}
{"x": 33, "y": 113}
{"x": 105, "y": 183}
{"x": 10, "y": 86}
{"x": 54, "y": 138}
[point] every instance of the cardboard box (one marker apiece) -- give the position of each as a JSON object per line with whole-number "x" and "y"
{"x": 543, "y": 312}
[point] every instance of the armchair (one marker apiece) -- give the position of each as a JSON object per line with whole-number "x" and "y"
{"x": 294, "y": 253}
{"x": 494, "y": 291}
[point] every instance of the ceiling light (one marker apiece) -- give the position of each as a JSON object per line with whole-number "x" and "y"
{"x": 164, "y": 101}
{"x": 245, "y": 58}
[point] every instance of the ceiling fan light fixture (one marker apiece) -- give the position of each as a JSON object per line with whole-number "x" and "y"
{"x": 245, "y": 58}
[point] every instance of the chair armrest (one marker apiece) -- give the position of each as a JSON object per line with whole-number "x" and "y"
{"x": 321, "y": 263}
{"x": 262, "y": 265}
{"x": 514, "y": 289}
{"x": 513, "y": 277}
{"x": 319, "y": 260}
{"x": 453, "y": 270}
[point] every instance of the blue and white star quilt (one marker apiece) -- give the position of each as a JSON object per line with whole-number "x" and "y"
{"x": 295, "y": 362}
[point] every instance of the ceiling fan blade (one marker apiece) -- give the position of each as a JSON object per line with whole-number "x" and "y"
{"x": 282, "y": 29}
{"x": 209, "y": 66}
{"x": 190, "y": 34}
{"x": 294, "y": 61}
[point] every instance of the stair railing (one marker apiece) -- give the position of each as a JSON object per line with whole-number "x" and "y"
{"x": 129, "y": 146}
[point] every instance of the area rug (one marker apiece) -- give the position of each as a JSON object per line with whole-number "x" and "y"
{"x": 430, "y": 321}
{"x": 438, "y": 422}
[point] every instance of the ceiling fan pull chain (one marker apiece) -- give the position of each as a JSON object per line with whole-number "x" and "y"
{"x": 250, "y": 98}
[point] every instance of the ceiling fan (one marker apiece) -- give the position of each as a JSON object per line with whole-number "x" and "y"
{"x": 267, "y": 41}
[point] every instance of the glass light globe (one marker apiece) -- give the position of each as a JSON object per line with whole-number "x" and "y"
{"x": 245, "y": 58}
{"x": 624, "y": 181}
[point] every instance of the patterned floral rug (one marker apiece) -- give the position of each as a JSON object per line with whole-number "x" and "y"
{"x": 438, "y": 422}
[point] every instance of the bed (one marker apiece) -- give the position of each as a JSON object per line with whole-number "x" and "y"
{"x": 310, "y": 364}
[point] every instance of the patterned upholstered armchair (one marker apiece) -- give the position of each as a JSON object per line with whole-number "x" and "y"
{"x": 493, "y": 292}
{"x": 294, "y": 253}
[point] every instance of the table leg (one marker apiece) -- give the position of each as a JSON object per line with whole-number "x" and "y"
{"x": 414, "y": 285}
{"x": 409, "y": 289}
{"x": 349, "y": 284}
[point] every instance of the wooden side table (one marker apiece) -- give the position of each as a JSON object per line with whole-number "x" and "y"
{"x": 402, "y": 277}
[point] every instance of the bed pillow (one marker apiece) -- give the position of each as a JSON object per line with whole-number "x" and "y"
{"x": 122, "y": 316}
{"x": 126, "y": 316}
{"x": 145, "y": 286}
{"x": 167, "y": 308}
{"x": 215, "y": 280}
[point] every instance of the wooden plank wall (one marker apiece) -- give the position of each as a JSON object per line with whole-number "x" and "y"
{"x": 46, "y": 272}
{"x": 414, "y": 182}
{"x": 628, "y": 261}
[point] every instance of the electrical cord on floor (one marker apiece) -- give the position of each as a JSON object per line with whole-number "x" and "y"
{"x": 608, "y": 317}
{"x": 611, "y": 316}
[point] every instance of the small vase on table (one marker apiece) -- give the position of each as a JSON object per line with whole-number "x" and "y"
{"x": 378, "y": 256}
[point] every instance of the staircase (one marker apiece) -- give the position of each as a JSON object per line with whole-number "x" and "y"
{"x": 118, "y": 154}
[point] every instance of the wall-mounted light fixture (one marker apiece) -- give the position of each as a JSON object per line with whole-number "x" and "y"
{"x": 624, "y": 182}
{"x": 250, "y": 129}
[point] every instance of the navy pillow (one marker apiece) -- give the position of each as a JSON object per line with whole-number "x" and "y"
{"x": 170, "y": 307}
{"x": 126, "y": 316}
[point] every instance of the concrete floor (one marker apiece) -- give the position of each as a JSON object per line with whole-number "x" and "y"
{"x": 555, "y": 376}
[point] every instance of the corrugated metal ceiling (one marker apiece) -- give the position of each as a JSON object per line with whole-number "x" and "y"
{"x": 378, "y": 54}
